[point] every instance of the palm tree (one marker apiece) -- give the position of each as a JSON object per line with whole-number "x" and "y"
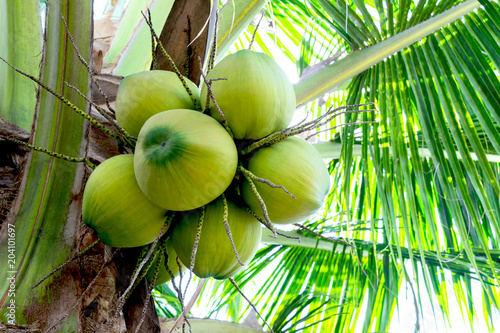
{"x": 414, "y": 195}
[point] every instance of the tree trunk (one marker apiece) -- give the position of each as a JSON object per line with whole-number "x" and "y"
{"x": 185, "y": 37}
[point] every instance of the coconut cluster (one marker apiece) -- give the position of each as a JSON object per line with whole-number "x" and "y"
{"x": 193, "y": 168}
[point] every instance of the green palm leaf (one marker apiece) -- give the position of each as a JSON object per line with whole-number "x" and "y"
{"x": 17, "y": 94}
{"x": 417, "y": 192}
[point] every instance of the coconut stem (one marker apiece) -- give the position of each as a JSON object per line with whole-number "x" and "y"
{"x": 179, "y": 294}
{"x": 128, "y": 138}
{"x": 213, "y": 51}
{"x": 68, "y": 103}
{"x": 262, "y": 142}
{"x": 150, "y": 292}
{"x": 288, "y": 236}
{"x": 154, "y": 61}
{"x": 58, "y": 268}
{"x": 159, "y": 253}
{"x": 330, "y": 114}
{"x": 51, "y": 153}
{"x": 335, "y": 240}
{"x": 177, "y": 289}
{"x": 266, "y": 223}
{"x": 195, "y": 246}
{"x": 145, "y": 269}
{"x": 91, "y": 73}
{"x": 255, "y": 31}
{"x": 180, "y": 319}
{"x": 264, "y": 181}
{"x": 121, "y": 300}
{"x": 169, "y": 271}
{"x": 305, "y": 118}
{"x": 183, "y": 308}
{"x": 206, "y": 110}
{"x": 270, "y": 226}
{"x": 210, "y": 93}
{"x": 140, "y": 258}
{"x": 172, "y": 64}
{"x": 225, "y": 216}
{"x": 342, "y": 125}
{"x": 313, "y": 124}
{"x": 156, "y": 255}
{"x": 251, "y": 304}
{"x": 258, "y": 197}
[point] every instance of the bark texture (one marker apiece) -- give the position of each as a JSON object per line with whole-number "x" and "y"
{"x": 11, "y": 163}
{"x": 187, "y": 21}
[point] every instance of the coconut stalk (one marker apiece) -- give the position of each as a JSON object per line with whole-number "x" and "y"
{"x": 234, "y": 19}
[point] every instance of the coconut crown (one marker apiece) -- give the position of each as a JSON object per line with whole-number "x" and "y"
{"x": 163, "y": 274}
{"x": 295, "y": 164}
{"x": 215, "y": 256}
{"x": 184, "y": 159}
{"x": 115, "y": 207}
{"x": 257, "y": 98}
{"x": 144, "y": 94}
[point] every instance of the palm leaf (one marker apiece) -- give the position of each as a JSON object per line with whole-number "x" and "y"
{"x": 47, "y": 213}
{"x": 17, "y": 93}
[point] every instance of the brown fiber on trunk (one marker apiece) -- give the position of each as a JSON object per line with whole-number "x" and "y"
{"x": 186, "y": 21}
{"x": 11, "y": 164}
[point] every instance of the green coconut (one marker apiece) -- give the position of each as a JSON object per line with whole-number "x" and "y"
{"x": 296, "y": 165}
{"x": 257, "y": 98}
{"x": 163, "y": 275}
{"x": 184, "y": 159}
{"x": 115, "y": 207}
{"x": 144, "y": 94}
{"x": 215, "y": 256}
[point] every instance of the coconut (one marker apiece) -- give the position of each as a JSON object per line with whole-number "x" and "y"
{"x": 215, "y": 256}
{"x": 296, "y": 165}
{"x": 163, "y": 275}
{"x": 115, "y": 207}
{"x": 144, "y": 94}
{"x": 184, "y": 159}
{"x": 257, "y": 98}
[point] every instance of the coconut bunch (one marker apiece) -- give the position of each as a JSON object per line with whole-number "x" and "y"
{"x": 213, "y": 164}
